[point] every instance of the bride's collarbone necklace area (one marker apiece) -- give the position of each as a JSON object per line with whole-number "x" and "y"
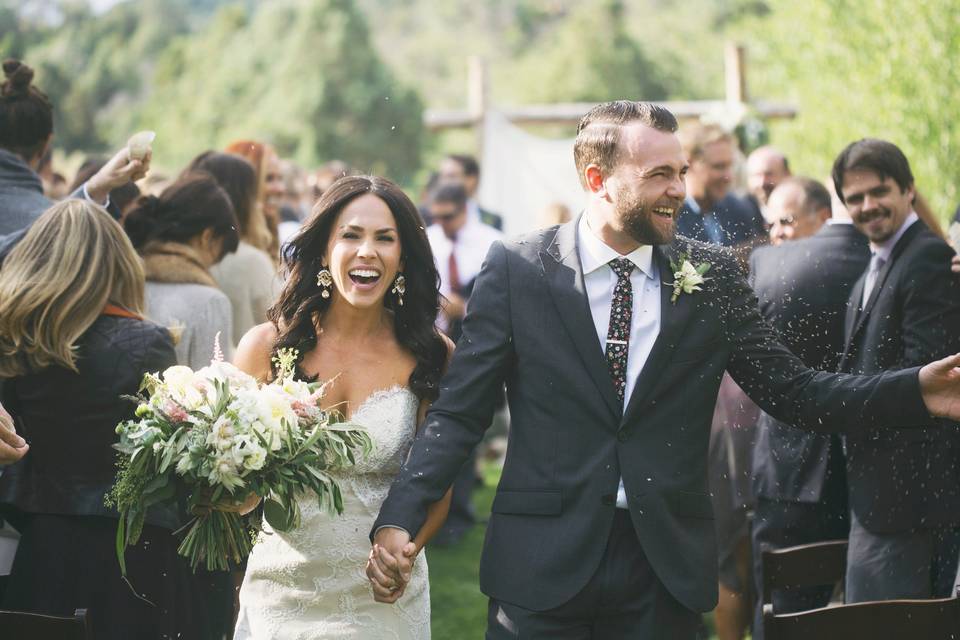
{"x": 360, "y": 370}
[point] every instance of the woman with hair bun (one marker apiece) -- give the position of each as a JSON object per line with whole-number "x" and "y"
{"x": 360, "y": 307}
{"x": 73, "y": 342}
{"x": 248, "y": 276}
{"x": 180, "y": 235}
{"x": 26, "y": 129}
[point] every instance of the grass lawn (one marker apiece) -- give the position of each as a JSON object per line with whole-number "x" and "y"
{"x": 459, "y": 610}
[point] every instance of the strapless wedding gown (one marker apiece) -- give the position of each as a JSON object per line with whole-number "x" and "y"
{"x": 310, "y": 583}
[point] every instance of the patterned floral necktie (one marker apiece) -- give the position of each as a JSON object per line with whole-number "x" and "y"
{"x": 618, "y": 335}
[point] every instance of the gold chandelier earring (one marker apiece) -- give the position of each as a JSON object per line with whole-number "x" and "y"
{"x": 325, "y": 282}
{"x": 399, "y": 288}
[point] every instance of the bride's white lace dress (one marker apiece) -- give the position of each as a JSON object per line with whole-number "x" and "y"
{"x": 310, "y": 582}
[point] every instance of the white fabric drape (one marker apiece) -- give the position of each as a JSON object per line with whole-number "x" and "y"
{"x": 524, "y": 173}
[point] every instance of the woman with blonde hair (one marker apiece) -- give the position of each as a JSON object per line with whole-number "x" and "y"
{"x": 73, "y": 342}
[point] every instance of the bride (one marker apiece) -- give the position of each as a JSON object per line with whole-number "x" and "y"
{"x": 359, "y": 306}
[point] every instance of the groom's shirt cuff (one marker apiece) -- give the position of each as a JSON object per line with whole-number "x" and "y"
{"x": 391, "y": 526}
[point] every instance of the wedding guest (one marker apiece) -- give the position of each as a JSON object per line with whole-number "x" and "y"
{"x": 710, "y": 212}
{"x": 903, "y": 484}
{"x": 180, "y": 235}
{"x": 73, "y": 342}
{"x": 248, "y": 275}
{"x": 12, "y": 446}
{"x": 121, "y": 197}
{"x": 798, "y": 210}
{"x": 465, "y": 169}
{"x": 270, "y": 189}
{"x": 803, "y": 284}
{"x": 26, "y": 129}
{"x": 767, "y": 167}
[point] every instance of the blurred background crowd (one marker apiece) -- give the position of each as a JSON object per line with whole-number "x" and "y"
{"x": 256, "y": 117}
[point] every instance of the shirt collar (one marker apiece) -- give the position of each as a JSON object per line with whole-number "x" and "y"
{"x": 595, "y": 253}
{"x": 692, "y": 204}
{"x": 885, "y": 248}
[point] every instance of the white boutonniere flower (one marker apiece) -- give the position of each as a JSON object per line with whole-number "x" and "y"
{"x": 687, "y": 278}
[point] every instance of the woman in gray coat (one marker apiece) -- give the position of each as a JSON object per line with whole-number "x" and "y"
{"x": 180, "y": 235}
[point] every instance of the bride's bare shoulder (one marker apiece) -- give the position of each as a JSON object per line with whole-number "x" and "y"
{"x": 253, "y": 352}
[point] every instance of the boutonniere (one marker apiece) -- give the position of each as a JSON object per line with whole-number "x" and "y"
{"x": 686, "y": 277}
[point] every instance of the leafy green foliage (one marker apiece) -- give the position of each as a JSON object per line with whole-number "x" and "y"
{"x": 302, "y": 75}
{"x": 865, "y": 68}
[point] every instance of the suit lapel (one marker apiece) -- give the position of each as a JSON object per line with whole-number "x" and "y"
{"x": 564, "y": 275}
{"x": 881, "y": 278}
{"x": 673, "y": 320}
{"x": 853, "y": 308}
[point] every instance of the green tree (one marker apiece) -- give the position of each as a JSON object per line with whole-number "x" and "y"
{"x": 93, "y": 66}
{"x": 302, "y": 75}
{"x": 865, "y": 68}
{"x": 589, "y": 57}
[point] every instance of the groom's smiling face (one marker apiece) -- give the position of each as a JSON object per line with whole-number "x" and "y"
{"x": 646, "y": 186}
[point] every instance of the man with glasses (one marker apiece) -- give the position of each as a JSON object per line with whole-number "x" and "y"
{"x": 797, "y": 209}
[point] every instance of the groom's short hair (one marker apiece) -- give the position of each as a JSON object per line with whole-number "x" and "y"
{"x": 598, "y": 134}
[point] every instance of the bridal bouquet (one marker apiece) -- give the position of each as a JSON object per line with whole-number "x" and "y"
{"x": 215, "y": 436}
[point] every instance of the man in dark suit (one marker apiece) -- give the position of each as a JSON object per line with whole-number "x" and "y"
{"x": 465, "y": 169}
{"x": 710, "y": 212}
{"x": 904, "y": 484}
{"x": 799, "y": 479}
{"x": 602, "y": 526}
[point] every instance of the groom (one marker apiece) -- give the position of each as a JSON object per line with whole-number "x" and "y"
{"x": 602, "y": 525}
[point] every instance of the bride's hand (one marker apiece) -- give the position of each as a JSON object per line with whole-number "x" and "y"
{"x": 204, "y": 507}
{"x": 386, "y": 589}
{"x": 243, "y": 508}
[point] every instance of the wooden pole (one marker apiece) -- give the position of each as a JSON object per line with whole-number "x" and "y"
{"x": 735, "y": 71}
{"x": 478, "y": 96}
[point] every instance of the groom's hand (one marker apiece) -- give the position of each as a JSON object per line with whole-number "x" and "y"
{"x": 390, "y": 564}
{"x": 940, "y": 387}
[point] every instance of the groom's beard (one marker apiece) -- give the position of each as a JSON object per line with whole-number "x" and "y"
{"x": 643, "y": 225}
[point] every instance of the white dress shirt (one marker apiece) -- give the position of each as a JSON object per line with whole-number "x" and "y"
{"x": 883, "y": 250}
{"x": 473, "y": 243}
{"x": 600, "y": 280}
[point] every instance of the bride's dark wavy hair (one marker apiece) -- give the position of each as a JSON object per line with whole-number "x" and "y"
{"x": 301, "y": 304}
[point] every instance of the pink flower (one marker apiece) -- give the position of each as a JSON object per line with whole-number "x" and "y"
{"x": 302, "y": 409}
{"x": 175, "y": 412}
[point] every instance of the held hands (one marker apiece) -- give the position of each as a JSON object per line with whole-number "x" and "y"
{"x": 118, "y": 171}
{"x": 940, "y": 387}
{"x": 390, "y": 564}
{"x": 12, "y": 446}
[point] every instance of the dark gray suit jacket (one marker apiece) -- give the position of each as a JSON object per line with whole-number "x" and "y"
{"x": 803, "y": 288}
{"x": 903, "y": 479}
{"x": 529, "y": 326}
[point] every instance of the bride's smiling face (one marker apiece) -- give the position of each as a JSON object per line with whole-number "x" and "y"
{"x": 364, "y": 252}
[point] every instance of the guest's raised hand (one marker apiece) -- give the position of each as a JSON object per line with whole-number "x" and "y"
{"x": 12, "y": 446}
{"x": 940, "y": 387}
{"x": 119, "y": 170}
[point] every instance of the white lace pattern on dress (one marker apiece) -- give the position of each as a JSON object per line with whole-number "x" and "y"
{"x": 310, "y": 583}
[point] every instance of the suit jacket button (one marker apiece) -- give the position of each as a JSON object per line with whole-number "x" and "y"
{"x": 622, "y": 436}
{"x": 608, "y": 500}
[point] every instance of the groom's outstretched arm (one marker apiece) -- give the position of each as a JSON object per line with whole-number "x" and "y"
{"x": 790, "y": 391}
{"x": 469, "y": 393}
